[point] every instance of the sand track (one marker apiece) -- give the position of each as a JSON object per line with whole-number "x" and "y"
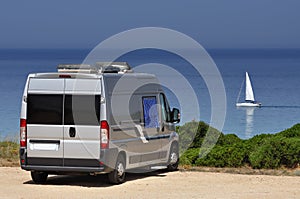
{"x": 16, "y": 183}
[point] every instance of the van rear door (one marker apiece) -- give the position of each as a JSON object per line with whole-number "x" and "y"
{"x": 81, "y": 129}
{"x": 45, "y": 122}
{"x": 63, "y": 122}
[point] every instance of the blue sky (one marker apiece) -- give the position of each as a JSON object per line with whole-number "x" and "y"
{"x": 213, "y": 23}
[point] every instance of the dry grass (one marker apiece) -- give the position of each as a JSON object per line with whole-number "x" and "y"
{"x": 9, "y": 162}
{"x": 244, "y": 170}
{"x": 9, "y": 153}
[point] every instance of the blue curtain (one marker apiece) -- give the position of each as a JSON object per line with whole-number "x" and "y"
{"x": 150, "y": 112}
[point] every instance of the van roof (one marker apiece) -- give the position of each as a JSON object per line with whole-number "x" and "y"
{"x": 64, "y": 75}
{"x": 97, "y": 68}
{"x": 88, "y": 75}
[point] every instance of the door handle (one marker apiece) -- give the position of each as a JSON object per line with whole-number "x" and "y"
{"x": 72, "y": 132}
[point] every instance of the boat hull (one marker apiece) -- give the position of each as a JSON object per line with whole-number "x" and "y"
{"x": 248, "y": 104}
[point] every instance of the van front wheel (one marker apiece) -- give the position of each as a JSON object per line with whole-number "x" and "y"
{"x": 117, "y": 176}
{"x": 173, "y": 158}
{"x": 39, "y": 177}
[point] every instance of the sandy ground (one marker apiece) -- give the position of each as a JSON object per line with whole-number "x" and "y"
{"x": 16, "y": 183}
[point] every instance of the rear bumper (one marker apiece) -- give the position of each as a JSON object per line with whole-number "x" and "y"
{"x": 105, "y": 164}
{"x": 64, "y": 169}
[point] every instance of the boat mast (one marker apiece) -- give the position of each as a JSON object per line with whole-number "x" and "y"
{"x": 238, "y": 98}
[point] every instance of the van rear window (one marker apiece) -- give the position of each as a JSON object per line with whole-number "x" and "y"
{"x": 48, "y": 109}
{"x": 44, "y": 109}
{"x": 82, "y": 109}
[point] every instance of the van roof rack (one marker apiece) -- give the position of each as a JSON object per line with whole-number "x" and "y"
{"x": 99, "y": 67}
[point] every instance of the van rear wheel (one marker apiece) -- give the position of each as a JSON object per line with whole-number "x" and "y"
{"x": 117, "y": 176}
{"x": 39, "y": 177}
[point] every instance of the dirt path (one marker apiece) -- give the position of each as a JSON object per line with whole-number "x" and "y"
{"x": 15, "y": 183}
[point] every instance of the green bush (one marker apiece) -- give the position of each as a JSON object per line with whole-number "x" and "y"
{"x": 291, "y": 132}
{"x": 189, "y": 156}
{"x": 261, "y": 151}
{"x": 228, "y": 139}
{"x": 186, "y": 134}
{"x": 275, "y": 152}
{"x": 291, "y": 157}
{"x": 193, "y": 133}
{"x": 224, "y": 156}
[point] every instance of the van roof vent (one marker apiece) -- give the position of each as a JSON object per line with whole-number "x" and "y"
{"x": 113, "y": 67}
{"x": 99, "y": 67}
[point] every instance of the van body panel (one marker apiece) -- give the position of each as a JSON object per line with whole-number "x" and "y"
{"x": 39, "y": 85}
{"x": 131, "y": 132}
{"x": 82, "y": 86}
{"x": 85, "y": 144}
{"x": 45, "y": 142}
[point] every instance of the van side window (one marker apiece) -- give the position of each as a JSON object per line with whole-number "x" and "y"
{"x": 150, "y": 112}
{"x": 135, "y": 109}
{"x": 165, "y": 109}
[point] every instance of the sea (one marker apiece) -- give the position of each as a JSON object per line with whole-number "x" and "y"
{"x": 275, "y": 75}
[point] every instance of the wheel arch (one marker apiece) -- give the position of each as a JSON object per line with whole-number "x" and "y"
{"x": 176, "y": 143}
{"x": 123, "y": 154}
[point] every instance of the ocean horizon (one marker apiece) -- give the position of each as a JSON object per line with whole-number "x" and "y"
{"x": 274, "y": 73}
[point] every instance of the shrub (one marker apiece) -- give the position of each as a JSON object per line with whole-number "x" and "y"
{"x": 266, "y": 156}
{"x": 189, "y": 156}
{"x": 228, "y": 139}
{"x": 291, "y": 156}
{"x": 275, "y": 152}
{"x": 291, "y": 132}
{"x": 193, "y": 133}
{"x": 186, "y": 134}
{"x": 261, "y": 151}
{"x": 224, "y": 156}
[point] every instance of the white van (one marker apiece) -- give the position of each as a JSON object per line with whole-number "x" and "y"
{"x": 96, "y": 119}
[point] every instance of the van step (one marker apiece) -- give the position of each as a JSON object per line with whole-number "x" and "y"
{"x": 158, "y": 167}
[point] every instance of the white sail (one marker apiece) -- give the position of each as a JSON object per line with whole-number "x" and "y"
{"x": 249, "y": 96}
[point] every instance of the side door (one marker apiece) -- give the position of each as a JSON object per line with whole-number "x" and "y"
{"x": 151, "y": 149}
{"x": 45, "y": 122}
{"x": 81, "y": 129}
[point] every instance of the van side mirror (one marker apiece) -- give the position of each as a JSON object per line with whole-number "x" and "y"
{"x": 175, "y": 115}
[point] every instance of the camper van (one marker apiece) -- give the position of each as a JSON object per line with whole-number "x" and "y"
{"x": 96, "y": 119}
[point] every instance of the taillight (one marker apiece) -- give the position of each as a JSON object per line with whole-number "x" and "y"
{"x": 64, "y": 76}
{"x": 104, "y": 135}
{"x": 23, "y": 133}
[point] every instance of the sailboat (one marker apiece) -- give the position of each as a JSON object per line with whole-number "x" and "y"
{"x": 249, "y": 95}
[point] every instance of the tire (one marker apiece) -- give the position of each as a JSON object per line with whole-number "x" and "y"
{"x": 117, "y": 176}
{"x": 173, "y": 158}
{"x": 39, "y": 177}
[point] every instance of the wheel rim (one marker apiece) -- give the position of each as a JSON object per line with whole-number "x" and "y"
{"x": 120, "y": 169}
{"x": 173, "y": 158}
